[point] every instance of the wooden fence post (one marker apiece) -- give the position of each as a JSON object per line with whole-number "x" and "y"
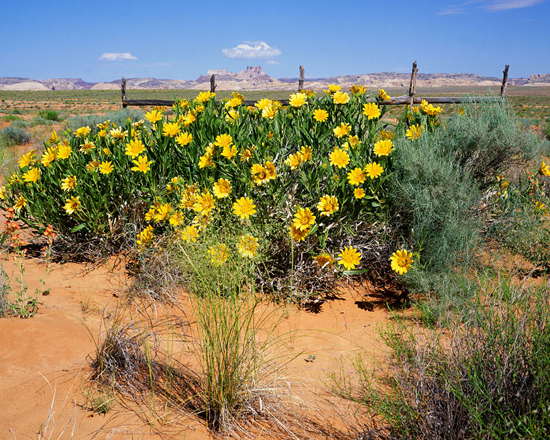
{"x": 123, "y": 91}
{"x": 301, "y": 80}
{"x": 412, "y": 85}
{"x": 213, "y": 83}
{"x": 504, "y": 81}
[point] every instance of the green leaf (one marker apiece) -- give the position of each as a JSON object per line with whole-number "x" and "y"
{"x": 356, "y": 271}
{"x": 79, "y": 227}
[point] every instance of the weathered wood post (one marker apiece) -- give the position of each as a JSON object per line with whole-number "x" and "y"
{"x": 412, "y": 85}
{"x": 301, "y": 80}
{"x": 123, "y": 91}
{"x": 504, "y": 86}
{"x": 213, "y": 83}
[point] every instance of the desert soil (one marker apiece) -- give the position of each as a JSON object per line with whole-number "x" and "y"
{"x": 45, "y": 360}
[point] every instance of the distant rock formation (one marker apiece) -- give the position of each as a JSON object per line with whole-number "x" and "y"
{"x": 251, "y": 73}
{"x": 254, "y": 78}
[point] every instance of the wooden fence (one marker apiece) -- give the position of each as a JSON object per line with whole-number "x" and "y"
{"x": 409, "y": 99}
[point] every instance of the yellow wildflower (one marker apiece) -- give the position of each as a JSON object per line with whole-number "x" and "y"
{"x": 373, "y": 170}
{"x": 21, "y": 202}
{"x": 223, "y": 140}
{"x": 104, "y": 125}
{"x": 145, "y": 237}
{"x": 63, "y": 150}
{"x": 383, "y": 148}
{"x": 383, "y": 95}
{"x": 340, "y": 98}
{"x": 117, "y": 133}
{"x": 48, "y": 156}
{"x": 248, "y": 246}
{"x": 26, "y": 159}
{"x": 303, "y": 219}
{"x": 229, "y": 151}
{"x": 189, "y": 118}
{"x": 359, "y": 193}
{"x": 141, "y": 164}
{"x": 72, "y": 205}
{"x": 259, "y": 174}
{"x": 68, "y": 183}
{"x": 271, "y": 171}
{"x": 339, "y": 158}
{"x": 401, "y": 261}
{"x": 206, "y": 161}
{"x": 356, "y": 177}
{"x": 92, "y": 166}
{"x": 106, "y": 167}
{"x": 297, "y": 100}
{"x": 306, "y": 153}
{"x": 349, "y": 257}
{"x": 414, "y": 132}
{"x": 354, "y": 141}
{"x": 170, "y": 129}
{"x": 328, "y": 205}
{"x": 32, "y": 175}
{"x": 270, "y": 112}
{"x": 82, "y": 132}
{"x": 244, "y": 207}
{"x": 371, "y": 110}
{"x": 134, "y": 148}
{"x": 205, "y": 203}
{"x": 222, "y": 188}
{"x": 324, "y": 261}
{"x": 358, "y": 89}
{"x": 190, "y": 233}
{"x": 298, "y": 234}
{"x": 176, "y": 219}
{"x": 162, "y": 212}
{"x": 264, "y": 104}
{"x": 53, "y": 138}
{"x": 153, "y": 116}
{"x": 544, "y": 169}
{"x": 320, "y": 115}
{"x": 87, "y": 147}
{"x": 342, "y": 130}
{"x": 204, "y": 96}
{"x": 218, "y": 254}
{"x": 294, "y": 160}
{"x": 247, "y": 154}
{"x": 233, "y": 102}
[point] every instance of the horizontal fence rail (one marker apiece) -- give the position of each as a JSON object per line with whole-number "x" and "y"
{"x": 409, "y": 99}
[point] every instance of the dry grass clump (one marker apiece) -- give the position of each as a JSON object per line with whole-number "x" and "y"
{"x": 486, "y": 377}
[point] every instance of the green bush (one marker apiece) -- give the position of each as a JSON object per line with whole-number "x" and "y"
{"x": 443, "y": 179}
{"x": 15, "y": 136}
{"x": 11, "y": 117}
{"x": 49, "y": 115}
{"x": 39, "y": 120}
{"x": 487, "y": 140}
{"x": 21, "y": 124}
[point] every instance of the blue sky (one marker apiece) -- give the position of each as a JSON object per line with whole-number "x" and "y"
{"x": 104, "y": 40}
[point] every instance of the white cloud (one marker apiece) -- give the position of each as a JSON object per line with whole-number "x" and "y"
{"x": 272, "y": 62}
{"x": 117, "y": 57}
{"x": 463, "y": 7}
{"x": 252, "y": 50}
{"x": 501, "y": 5}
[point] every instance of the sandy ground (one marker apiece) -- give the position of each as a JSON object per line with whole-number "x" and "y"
{"x": 44, "y": 360}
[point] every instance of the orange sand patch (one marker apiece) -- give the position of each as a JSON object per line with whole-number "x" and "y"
{"x": 44, "y": 360}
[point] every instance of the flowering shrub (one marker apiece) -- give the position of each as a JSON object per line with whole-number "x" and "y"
{"x": 309, "y": 176}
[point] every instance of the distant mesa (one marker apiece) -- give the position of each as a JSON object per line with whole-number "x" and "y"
{"x": 254, "y": 78}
